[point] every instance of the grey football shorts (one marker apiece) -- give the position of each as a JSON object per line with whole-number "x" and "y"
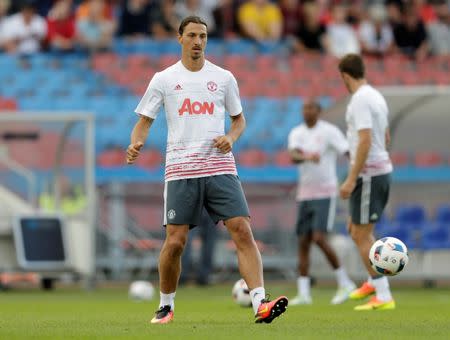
{"x": 315, "y": 215}
{"x": 221, "y": 195}
{"x": 369, "y": 198}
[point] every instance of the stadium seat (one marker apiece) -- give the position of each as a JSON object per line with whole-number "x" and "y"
{"x": 252, "y": 158}
{"x": 399, "y": 158}
{"x": 443, "y": 214}
{"x": 111, "y": 158}
{"x": 7, "y": 104}
{"x": 150, "y": 159}
{"x": 428, "y": 159}
{"x": 283, "y": 159}
{"x": 436, "y": 236}
{"x": 410, "y": 213}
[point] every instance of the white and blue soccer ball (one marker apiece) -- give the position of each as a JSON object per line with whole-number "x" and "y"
{"x": 388, "y": 256}
{"x": 141, "y": 291}
{"x": 241, "y": 293}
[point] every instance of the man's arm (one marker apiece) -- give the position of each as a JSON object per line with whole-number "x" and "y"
{"x": 225, "y": 143}
{"x": 387, "y": 138}
{"x": 298, "y": 156}
{"x": 362, "y": 151}
{"x": 138, "y": 138}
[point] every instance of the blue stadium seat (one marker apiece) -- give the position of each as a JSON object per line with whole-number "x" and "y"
{"x": 240, "y": 46}
{"x": 405, "y": 232}
{"x": 443, "y": 214}
{"x": 436, "y": 236}
{"x": 410, "y": 213}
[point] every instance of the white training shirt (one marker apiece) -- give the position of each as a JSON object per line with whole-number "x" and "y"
{"x": 318, "y": 180}
{"x": 195, "y": 105}
{"x": 368, "y": 110}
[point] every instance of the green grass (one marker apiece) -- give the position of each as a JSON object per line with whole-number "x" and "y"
{"x": 209, "y": 313}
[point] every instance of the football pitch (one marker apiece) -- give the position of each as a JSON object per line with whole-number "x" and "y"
{"x": 210, "y": 313}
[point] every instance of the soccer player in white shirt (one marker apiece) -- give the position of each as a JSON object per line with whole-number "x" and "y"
{"x": 315, "y": 145}
{"x": 200, "y": 168}
{"x": 367, "y": 184}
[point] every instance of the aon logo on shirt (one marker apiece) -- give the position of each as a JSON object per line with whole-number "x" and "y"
{"x": 196, "y": 108}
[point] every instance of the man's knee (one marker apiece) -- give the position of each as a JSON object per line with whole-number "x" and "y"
{"x": 240, "y": 229}
{"x": 175, "y": 242}
{"x": 304, "y": 242}
{"x": 318, "y": 238}
{"x": 360, "y": 233}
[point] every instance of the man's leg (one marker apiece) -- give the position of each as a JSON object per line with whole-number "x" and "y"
{"x": 303, "y": 281}
{"x": 250, "y": 267}
{"x": 345, "y": 284}
{"x": 186, "y": 258}
{"x": 170, "y": 257}
{"x": 249, "y": 258}
{"x": 169, "y": 270}
{"x": 362, "y": 235}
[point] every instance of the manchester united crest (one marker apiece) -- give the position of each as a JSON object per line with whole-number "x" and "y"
{"x": 212, "y": 86}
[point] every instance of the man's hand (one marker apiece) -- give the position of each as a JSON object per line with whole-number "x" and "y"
{"x": 223, "y": 143}
{"x": 133, "y": 152}
{"x": 347, "y": 188}
{"x": 314, "y": 157}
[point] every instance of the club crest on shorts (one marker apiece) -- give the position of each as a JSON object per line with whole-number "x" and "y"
{"x": 212, "y": 86}
{"x": 171, "y": 214}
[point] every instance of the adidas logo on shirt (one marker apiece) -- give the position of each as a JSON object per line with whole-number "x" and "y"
{"x": 178, "y": 87}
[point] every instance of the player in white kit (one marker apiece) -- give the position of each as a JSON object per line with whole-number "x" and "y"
{"x": 200, "y": 167}
{"x": 367, "y": 184}
{"x": 315, "y": 145}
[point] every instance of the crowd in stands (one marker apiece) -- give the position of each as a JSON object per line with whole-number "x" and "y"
{"x": 415, "y": 28}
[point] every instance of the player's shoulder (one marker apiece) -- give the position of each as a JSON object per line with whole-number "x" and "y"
{"x": 211, "y": 67}
{"x": 299, "y": 129}
{"x": 326, "y": 125}
{"x": 168, "y": 71}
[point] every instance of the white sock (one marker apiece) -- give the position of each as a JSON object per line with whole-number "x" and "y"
{"x": 167, "y": 299}
{"x": 342, "y": 277}
{"x": 304, "y": 286}
{"x": 257, "y": 295}
{"x": 382, "y": 288}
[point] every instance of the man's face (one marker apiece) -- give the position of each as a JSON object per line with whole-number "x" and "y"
{"x": 193, "y": 40}
{"x": 310, "y": 112}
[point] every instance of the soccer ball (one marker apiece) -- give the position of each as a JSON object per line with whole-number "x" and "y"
{"x": 388, "y": 256}
{"x": 241, "y": 294}
{"x": 141, "y": 290}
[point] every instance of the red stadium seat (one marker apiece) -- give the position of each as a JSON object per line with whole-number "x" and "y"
{"x": 283, "y": 159}
{"x": 150, "y": 159}
{"x": 104, "y": 61}
{"x": 111, "y": 158}
{"x": 7, "y": 104}
{"x": 252, "y": 158}
{"x": 399, "y": 158}
{"x": 428, "y": 159}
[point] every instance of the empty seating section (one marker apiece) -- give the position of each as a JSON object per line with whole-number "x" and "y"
{"x": 411, "y": 224}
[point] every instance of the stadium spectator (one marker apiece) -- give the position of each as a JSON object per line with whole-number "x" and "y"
{"x": 24, "y": 32}
{"x": 95, "y": 32}
{"x": 4, "y": 7}
{"x": 426, "y": 10}
{"x": 164, "y": 21}
{"x": 61, "y": 35}
{"x": 410, "y": 35}
{"x": 135, "y": 18}
{"x": 225, "y": 18}
{"x": 439, "y": 31}
{"x": 202, "y": 8}
{"x": 342, "y": 37}
{"x": 375, "y": 34}
{"x": 394, "y": 9}
{"x": 292, "y": 16}
{"x": 260, "y": 20}
{"x": 311, "y": 35}
{"x": 84, "y": 9}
